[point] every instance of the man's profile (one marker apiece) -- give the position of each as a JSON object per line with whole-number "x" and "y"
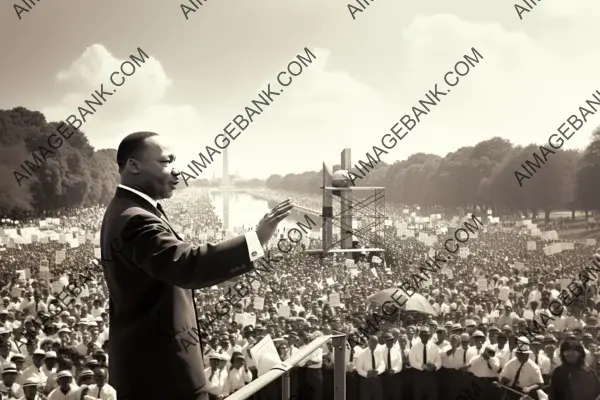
{"x": 152, "y": 274}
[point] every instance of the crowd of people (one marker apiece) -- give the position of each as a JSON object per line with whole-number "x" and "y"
{"x": 476, "y": 338}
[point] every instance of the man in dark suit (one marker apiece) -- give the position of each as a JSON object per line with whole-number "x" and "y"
{"x": 151, "y": 273}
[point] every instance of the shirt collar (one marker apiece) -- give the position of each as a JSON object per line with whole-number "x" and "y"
{"x": 142, "y": 195}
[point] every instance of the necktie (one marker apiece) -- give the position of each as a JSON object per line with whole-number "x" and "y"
{"x": 465, "y": 356}
{"x": 159, "y": 208}
{"x": 536, "y": 358}
{"x": 351, "y": 353}
{"x": 518, "y": 374}
{"x": 424, "y": 354}
{"x": 390, "y": 358}
{"x": 373, "y": 359}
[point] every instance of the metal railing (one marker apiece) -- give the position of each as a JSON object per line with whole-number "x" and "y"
{"x": 283, "y": 369}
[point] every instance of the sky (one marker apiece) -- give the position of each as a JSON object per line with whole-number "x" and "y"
{"x": 368, "y": 72}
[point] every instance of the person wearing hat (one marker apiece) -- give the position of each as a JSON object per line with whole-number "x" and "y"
{"x": 522, "y": 374}
{"x": 539, "y": 357}
{"x": 369, "y": 365}
{"x": 82, "y": 347}
{"x": 35, "y": 370}
{"x": 66, "y": 390}
{"x": 390, "y": 380}
{"x": 486, "y": 367}
{"x": 49, "y": 366}
{"x": 30, "y": 389}
{"x": 217, "y": 384}
{"x": 453, "y": 358}
{"x": 18, "y": 360}
{"x": 502, "y": 349}
{"x": 101, "y": 390}
{"x": 9, "y": 387}
{"x": 85, "y": 377}
{"x": 425, "y": 357}
{"x": 478, "y": 338}
{"x": 17, "y": 340}
{"x": 239, "y": 375}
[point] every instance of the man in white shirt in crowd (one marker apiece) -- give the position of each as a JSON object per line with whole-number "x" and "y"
{"x": 502, "y": 349}
{"x": 369, "y": 365}
{"x": 540, "y": 358}
{"x": 35, "y": 369}
{"x": 521, "y": 373}
{"x": 8, "y": 386}
{"x": 66, "y": 390}
{"x": 313, "y": 373}
{"x": 486, "y": 367}
{"x": 452, "y": 361}
{"x": 390, "y": 380}
{"x": 425, "y": 357}
{"x": 30, "y": 389}
{"x": 217, "y": 384}
{"x": 49, "y": 367}
{"x": 478, "y": 337}
{"x": 101, "y": 390}
{"x": 507, "y": 318}
{"x": 239, "y": 375}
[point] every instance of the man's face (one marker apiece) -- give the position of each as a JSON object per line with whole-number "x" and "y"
{"x": 9, "y": 379}
{"x": 94, "y": 332}
{"x": 50, "y": 362}
{"x": 30, "y": 392}
{"x": 64, "y": 382}
{"x": 100, "y": 375}
{"x": 155, "y": 169}
{"x": 37, "y": 359}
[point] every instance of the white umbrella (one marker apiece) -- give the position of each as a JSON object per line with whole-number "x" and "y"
{"x": 396, "y": 296}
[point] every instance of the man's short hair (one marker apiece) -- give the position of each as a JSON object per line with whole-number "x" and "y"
{"x": 131, "y": 146}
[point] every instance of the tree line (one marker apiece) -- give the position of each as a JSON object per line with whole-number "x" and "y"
{"x": 484, "y": 175}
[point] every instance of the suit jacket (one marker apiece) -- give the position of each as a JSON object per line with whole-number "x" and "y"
{"x": 154, "y": 344}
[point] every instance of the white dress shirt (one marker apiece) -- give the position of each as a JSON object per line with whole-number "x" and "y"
{"x": 395, "y": 358}
{"x": 530, "y": 373}
{"x": 473, "y": 352}
{"x": 74, "y": 393}
{"x": 16, "y": 389}
{"x": 479, "y": 367}
{"x": 454, "y": 360}
{"x": 364, "y": 362}
{"x": 106, "y": 392}
{"x": 238, "y": 378}
{"x": 504, "y": 354}
{"x": 433, "y": 356}
{"x": 255, "y": 250}
{"x": 32, "y": 371}
{"x": 219, "y": 384}
{"x": 543, "y": 362}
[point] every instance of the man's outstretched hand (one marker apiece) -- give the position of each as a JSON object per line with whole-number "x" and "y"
{"x": 268, "y": 224}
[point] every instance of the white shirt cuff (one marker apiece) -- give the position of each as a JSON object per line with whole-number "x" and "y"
{"x": 255, "y": 250}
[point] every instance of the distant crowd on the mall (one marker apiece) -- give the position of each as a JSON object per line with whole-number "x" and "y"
{"x": 471, "y": 342}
